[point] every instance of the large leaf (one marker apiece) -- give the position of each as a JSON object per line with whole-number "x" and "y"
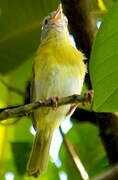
{"x": 20, "y": 24}
{"x": 104, "y": 64}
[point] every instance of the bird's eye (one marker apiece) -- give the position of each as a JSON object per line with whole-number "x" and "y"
{"x": 46, "y": 21}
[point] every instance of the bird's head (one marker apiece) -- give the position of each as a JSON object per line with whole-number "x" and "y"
{"x": 56, "y": 21}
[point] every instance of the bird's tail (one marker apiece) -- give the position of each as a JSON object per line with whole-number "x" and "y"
{"x": 38, "y": 160}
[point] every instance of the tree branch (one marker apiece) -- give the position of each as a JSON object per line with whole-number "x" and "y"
{"x": 110, "y": 174}
{"x": 75, "y": 158}
{"x": 24, "y": 110}
{"x": 108, "y": 125}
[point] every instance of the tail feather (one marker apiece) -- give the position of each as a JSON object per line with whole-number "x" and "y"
{"x": 38, "y": 160}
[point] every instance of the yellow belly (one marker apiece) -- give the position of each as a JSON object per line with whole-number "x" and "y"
{"x": 59, "y": 71}
{"x": 60, "y": 81}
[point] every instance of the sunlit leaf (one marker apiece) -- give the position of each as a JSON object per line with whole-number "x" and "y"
{"x": 104, "y": 64}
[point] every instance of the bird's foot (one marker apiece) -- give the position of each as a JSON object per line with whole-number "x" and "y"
{"x": 54, "y": 100}
{"x": 89, "y": 94}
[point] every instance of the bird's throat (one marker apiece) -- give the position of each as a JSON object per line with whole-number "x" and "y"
{"x": 57, "y": 37}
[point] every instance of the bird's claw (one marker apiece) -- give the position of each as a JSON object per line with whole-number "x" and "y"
{"x": 90, "y": 94}
{"x": 54, "y": 101}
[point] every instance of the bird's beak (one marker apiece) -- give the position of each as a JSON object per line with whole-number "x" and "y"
{"x": 58, "y": 15}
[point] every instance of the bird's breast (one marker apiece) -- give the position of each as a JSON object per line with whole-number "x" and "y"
{"x": 62, "y": 81}
{"x": 58, "y": 71}
{"x": 58, "y": 80}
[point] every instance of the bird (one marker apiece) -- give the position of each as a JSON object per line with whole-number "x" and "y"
{"x": 58, "y": 71}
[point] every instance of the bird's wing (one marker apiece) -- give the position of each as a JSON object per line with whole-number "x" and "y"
{"x": 29, "y": 96}
{"x": 32, "y": 97}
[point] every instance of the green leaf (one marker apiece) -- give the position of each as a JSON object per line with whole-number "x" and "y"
{"x": 86, "y": 142}
{"x": 21, "y": 152}
{"x": 104, "y": 64}
{"x": 52, "y": 172}
{"x": 20, "y": 27}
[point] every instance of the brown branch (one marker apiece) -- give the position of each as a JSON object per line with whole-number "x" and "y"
{"x": 74, "y": 156}
{"x": 108, "y": 126}
{"x": 110, "y": 174}
{"x": 24, "y": 110}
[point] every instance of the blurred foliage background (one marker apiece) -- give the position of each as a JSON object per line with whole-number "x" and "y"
{"x": 20, "y": 28}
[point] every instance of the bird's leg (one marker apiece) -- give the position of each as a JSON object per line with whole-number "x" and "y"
{"x": 89, "y": 93}
{"x": 72, "y": 109}
{"x": 54, "y": 100}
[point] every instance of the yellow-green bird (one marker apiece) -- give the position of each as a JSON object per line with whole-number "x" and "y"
{"x": 58, "y": 70}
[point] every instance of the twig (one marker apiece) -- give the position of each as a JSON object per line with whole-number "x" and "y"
{"x": 11, "y": 88}
{"x": 76, "y": 160}
{"x": 110, "y": 174}
{"x": 11, "y": 123}
{"x": 24, "y": 110}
